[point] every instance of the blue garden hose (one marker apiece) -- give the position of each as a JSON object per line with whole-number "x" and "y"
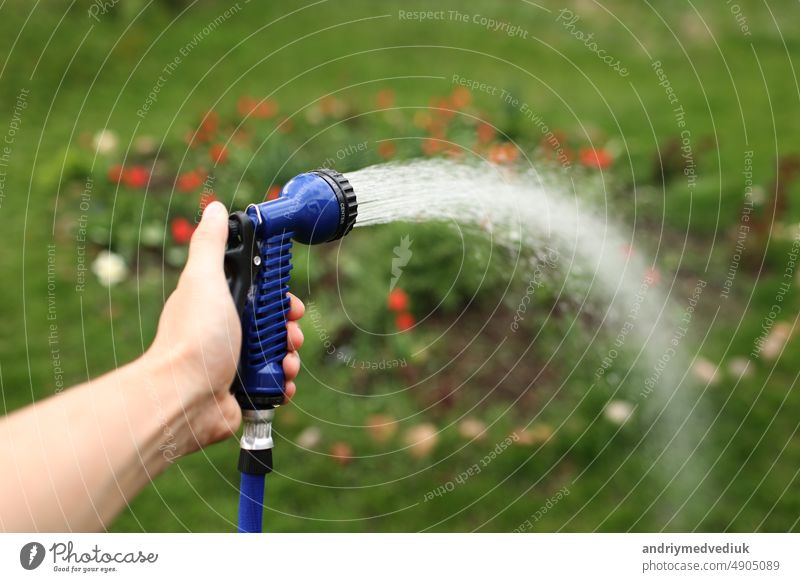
{"x": 251, "y": 503}
{"x": 312, "y": 208}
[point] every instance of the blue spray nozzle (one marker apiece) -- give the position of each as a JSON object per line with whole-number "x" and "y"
{"x": 314, "y": 207}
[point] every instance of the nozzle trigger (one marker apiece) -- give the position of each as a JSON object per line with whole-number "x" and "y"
{"x": 239, "y": 255}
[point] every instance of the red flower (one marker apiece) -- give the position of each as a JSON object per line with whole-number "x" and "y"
{"x": 432, "y": 146}
{"x": 182, "y": 230}
{"x": 264, "y": 109}
{"x": 385, "y": 99}
{"x": 485, "y": 132}
{"x": 460, "y": 97}
{"x": 210, "y": 122}
{"x": 208, "y": 126}
{"x": 503, "y": 153}
{"x": 245, "y": 105}
{"x": 595, "y": 158}
{"x": 341, "y": 452}
{"x": 218, "y": 153}
{"x": 136, "y": 177}
{"x": 190, "y": 181}
{"x": 387, "y": 149}
{"x": 274, "y": 192}
{"x": 442, "y": 107}
{"x": 115, "y": 173}
{"x": 404, "y": 321}
{"x": 398, "y": 300}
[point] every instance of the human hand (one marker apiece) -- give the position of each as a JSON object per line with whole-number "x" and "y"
{"x": 197, "y": 346}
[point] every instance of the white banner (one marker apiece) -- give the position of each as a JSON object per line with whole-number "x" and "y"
{"x": 400, "y": 556}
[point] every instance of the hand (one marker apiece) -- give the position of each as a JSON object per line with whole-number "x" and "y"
{"x": 199, "y": 339}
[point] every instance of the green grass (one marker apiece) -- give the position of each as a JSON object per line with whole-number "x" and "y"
{"x": 738, "y": 93}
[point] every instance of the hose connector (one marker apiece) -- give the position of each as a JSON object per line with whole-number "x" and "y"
{"x": 255, "y": 446}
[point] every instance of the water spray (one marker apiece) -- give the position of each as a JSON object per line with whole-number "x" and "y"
{"x": 312, "y": 208}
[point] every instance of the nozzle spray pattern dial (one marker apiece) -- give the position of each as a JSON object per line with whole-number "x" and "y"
{"x": 346, "y": 198}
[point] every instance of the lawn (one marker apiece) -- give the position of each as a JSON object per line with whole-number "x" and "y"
{"x": 548, "y": 448}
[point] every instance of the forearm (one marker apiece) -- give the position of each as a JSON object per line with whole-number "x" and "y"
{"x": 73, "y": 461}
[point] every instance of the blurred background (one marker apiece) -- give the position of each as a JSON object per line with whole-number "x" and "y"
{"x": 677, "y": 121}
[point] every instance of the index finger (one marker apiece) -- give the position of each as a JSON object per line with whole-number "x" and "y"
{"x": 296, "y": 308}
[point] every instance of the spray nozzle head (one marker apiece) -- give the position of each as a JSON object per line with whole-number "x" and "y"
{"x": 317, "y": 207}
{"x": 345, "y": 198}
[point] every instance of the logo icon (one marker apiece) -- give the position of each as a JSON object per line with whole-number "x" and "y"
{"x": 402, "y": 255}
{"x": 31, "y": 555}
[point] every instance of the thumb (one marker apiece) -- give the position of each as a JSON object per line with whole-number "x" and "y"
{"x": 207, "y": 249}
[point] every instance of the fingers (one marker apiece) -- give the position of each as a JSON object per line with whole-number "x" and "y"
{"x": 294, "y": 341}
{"x": 207, "y": 249}
{"x": 291, "y": 365}
{"x": 289, "y": 390}
{"x": 296, "y": 309}
{"x": 295, "y": 337}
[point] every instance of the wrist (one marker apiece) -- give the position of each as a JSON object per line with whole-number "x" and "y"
{"x": 176, "y": 373}
{"x": 172, "y": 402}
{"x": 194, "y": 409}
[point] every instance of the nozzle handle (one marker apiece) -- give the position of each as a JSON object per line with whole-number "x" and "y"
{"x": 264, "y": 334}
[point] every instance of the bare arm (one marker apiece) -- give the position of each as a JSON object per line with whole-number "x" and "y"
{"x": 75, "y": 460}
